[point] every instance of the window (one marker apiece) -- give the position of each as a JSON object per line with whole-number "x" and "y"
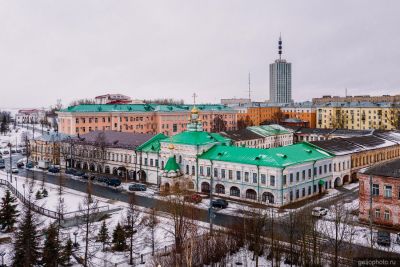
{"x": 223, "y": 173}
{"x": 309, "y": 173}
{"x": 272, "y": 180}
{"x": 255, "y": 178}
{"x": 201, "y": 170}
{"x": 151, "y": 161}
{"x": 315, "y": 171}
{"x": 284, "y": 179}
{"x": 230, "y": 172}
{"x": 303, "y": 193}
{"x": 263, "y": 179}
{"x": 246, "y": 176}
{"x": 187, "y": 169}
{"x": 330, "y": 167}
{"x": 174, "y": 128}
{"x": 377, "y": 213}
{"x": 304, "y": 174}
{"x": 208, "y": 171}
{"x": 291, "y": 178}
{"x": 297, "y": 193}
{"x": 388, "y": 191}
{"x": 387, "y": 215}
{"x": 309, "y": 190}
{"x": 325, "y": 169}
{"x": 215, "y": 172}
{"x": 193, "y": 170}
{"x": 320, "y": 170}
{"x": 145, "y": 162}
{"x": 237, "y": 175}
{"x": 297, "y": 176}
{"x": 375, "y": 189}
{"x": 156, "y": 162}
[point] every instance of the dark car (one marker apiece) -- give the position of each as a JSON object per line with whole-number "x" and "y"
{"x": 29, "y": 165}
{"x": 383, "y": 239}
{"x": 79, "y": 173}
{"x": 88, "y": 176}
{"x": 20, "y": 164}
{"x": 54, "y": 169}
{"x": 219, "y": 203}
{"x": 137, "y": 187}
{"x": 102, "y": 179}
{"x": 70, "y": 171}
{"x": 114, "y": 182}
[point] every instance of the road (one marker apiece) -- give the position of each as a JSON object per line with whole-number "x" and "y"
{"x": 225, "y": 220}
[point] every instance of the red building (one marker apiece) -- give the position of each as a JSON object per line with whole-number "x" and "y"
{"x": 385, "y": 199}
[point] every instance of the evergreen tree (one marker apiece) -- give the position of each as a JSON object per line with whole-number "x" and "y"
{"x": 38, "y": 195}
{"x": 51, "y": 249}
{"x": 45, "y": 193}
{"x": 26, "y": 252}
{"x": 66, "y": 253}
{"x": 119, "y": 238}
{"x": 103, "y": 234}
{"x": 8, "y": 211}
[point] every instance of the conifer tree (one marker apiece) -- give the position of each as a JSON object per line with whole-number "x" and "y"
{"x": 103, "y": 234}
{"x": 26, "y": 245}
{"x": 8, "y": 211}
{"x": 119, "y": 238}
{"x": 51, "y": 249}
{"x": 66, "y": 253}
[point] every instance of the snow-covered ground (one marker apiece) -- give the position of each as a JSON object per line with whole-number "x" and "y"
{"x": 72, "y": 199}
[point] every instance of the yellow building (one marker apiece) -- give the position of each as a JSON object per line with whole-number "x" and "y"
{"x": 358, "y": 116}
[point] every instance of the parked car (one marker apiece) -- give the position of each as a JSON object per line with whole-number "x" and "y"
{"x": 137, "y": 187}
{"x": 43, "y": 164}
{"x": 219, "y": 203}
{"x": 70, "y": 171}
{"x": 6, "y": 152}
{"x": 114, "y": 182}
{"x": 13, "y": 170}
{"x": 20, "y": 164}
{"x": 398, "y": 238}
{"x": 102, "y": 179}
{"x": 79, "y": 173}
{"x": 53, "y": 169}
{"x": 2, "y": 164}
{"x": 29, "y": 165}
{"x": 383, "y": 239}
{"x": 195, "y": 198}
{"x": 319, "y": 212}
{"x": 88, "y": 176}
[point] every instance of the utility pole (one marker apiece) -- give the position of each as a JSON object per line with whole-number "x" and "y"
{"x": 9, "y": 144}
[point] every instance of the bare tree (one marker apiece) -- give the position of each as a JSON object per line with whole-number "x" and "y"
{"x": 218, "y": 124}
{"x": 88, "y": 209}
{"x": 132, "y": 224}
{"x": 340, "y": 229}
{"x": 151, "y": 221}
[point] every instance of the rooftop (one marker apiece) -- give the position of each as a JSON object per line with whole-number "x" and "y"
{"x": 52, "y": 137}
{"x": 153, "y": 144}
{"x": 274, "y": 157}
{"x": 196, "y": 138}
{"x": 388, "y": 169}
{"x": 114, "y": 139}
{"x": 143, "y": 108}
{"x": 241, "y": 135}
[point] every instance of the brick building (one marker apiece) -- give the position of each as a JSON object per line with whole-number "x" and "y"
{"x": 384, "y": 196}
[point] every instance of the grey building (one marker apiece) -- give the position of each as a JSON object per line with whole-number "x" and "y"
{"x": 280, "y": 79}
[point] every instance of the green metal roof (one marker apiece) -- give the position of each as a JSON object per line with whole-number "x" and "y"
{"x": 274, "y": 157}
{"x": 268, "y": 130}
{"x": 171, "y": 165}
{"x": 197, "y": 138}
{"x": 142, "y": 108}
{"x": 152, "y": 145}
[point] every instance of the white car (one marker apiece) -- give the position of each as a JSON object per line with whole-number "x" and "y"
{"x": 319, "y": 212}
{"x": 13, "y": 170}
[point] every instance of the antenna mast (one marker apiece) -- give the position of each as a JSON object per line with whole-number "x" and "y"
{"x": 280, "y": 47}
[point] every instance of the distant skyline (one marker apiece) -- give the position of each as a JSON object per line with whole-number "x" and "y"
{"x": 68, "y": 50}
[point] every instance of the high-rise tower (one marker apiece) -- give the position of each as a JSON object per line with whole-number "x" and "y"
{"x": 280, "y": 79}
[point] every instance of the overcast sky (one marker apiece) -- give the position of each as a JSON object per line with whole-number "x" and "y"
{"x": 163, "y": 49}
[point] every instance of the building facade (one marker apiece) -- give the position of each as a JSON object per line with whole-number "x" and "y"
{"x": 358, "y": 116}
{"x": 30, "y": 116}
{"x": 305, "y": 114}
{"x": 380, "y": 194}
{"x": 361, "y": 98}
{"x": 47, "y": 147}
{"x": 142, "y": 118}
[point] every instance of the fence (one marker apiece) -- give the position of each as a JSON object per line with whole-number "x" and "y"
{"x": 50, "y": 213}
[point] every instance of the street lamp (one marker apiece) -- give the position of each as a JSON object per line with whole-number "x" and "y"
{"x": 75, "y": 244}
{"x": 10, "y": 145}
{"x": 2, "y": 254}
